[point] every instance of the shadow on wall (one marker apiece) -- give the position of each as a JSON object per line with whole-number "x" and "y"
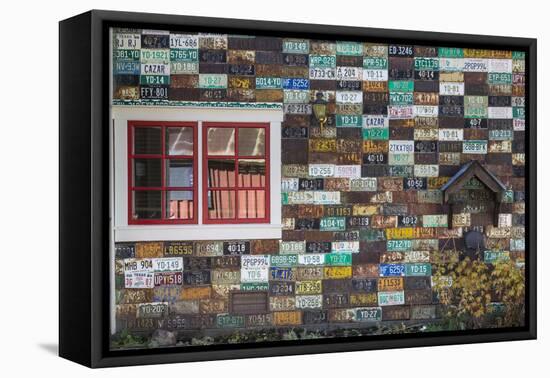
{"x": 52, "y": 348}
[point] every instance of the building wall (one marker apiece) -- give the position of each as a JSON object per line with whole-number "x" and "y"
{"x": 363, "y": 217}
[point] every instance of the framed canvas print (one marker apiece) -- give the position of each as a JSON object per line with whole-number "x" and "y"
{"x": 234, "y": 188}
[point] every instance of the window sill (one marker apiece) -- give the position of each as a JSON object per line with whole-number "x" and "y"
{"x": 197, "y": 232}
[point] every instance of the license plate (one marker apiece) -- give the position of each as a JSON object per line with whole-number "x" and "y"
{"x": 375, "y": 74}
{"x": 155, "y": 55}
{"x": 500, "y": 112}
{"x": 451, "y": 89}
{"x": 138, "y": 280}
{"x": 126, "y": 68}
{"x": 212, "y": 81}
{"x": 349, "y": 73}
{"x": 391, "y": 298}
{"x": 349, "y": 97}
{"x": 295, "y": 83}
{"x": 292, "y": 108}
{"x": 268, "y": 83}
{"x": 500, "y": 65}
{"x": 300, "y": 198}
{"x": 152, "y": 310}
{"x": 283, "y": 260}
{"x": 131, "y": 41}
{"x": 375, "y": 63}
{"x": 426, "y": 170}
{"x": 295, "y": 96}
{"x": 363, "y": 184}
{"x": 251, "y": 275}
{"x": 426, "y": 64}
{"x": 418, "y": 269}
{"x": 289, "y": 184}
{"x": 349, "y": 48}
{"x": 499, "y": 78}
{"x": 168, "y": 264}
{"x": 474, "y": 147}
{"x": 254, "y": 261}
{"x": 333, "y": 224}
{"x": 322, "y": 61}
{"x": 368, "y": 314}
{"x": 309, "y": 301}
{"x": 311, "y": 259}
{"x": 138, "y": 265}
{"x": 225, "y": 276}
{"x": 389, "y": 270}
{"x": 376, "y": 133}
{"x": 347, "y": 171}
{"x": 338, "y": 259}
{"x": 321, "y": 170}
{"x": 184, "y": 41}
{"x": 400, "y": 111}
{"x": 390, "y": 284}
{"x": 335, "y": 272}
{"x": 184, "y": 55}
{"x": 168, "y": 278}
{"x": 345, "y": 246}
{"x": 451, "y": 134}
{"x": 348, "y": 120}
{"x": 401, "y": 98}
{"x": 309, "y": 287}
{"x": 322, "y": 73}
{"x": 229, "y": 321}
{"x": 399, "y": 245}
{"x": 438, "y": 220}
{"x": 184, "y": 67}
{"x": 296, "y": 46}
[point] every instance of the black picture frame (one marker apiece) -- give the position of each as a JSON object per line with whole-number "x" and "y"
{"x": 84, "y": 189}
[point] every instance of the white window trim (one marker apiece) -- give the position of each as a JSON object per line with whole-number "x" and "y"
{"x": 125, "y": 232}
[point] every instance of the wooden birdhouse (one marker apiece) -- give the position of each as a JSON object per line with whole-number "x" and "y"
{"x": 473, "y": 193}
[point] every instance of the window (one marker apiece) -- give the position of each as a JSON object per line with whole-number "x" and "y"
{"x": 162, "y": 171}
{"x": 235, "y": 173}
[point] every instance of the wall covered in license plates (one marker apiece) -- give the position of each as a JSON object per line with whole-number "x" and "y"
{"x": 368, "y": 245}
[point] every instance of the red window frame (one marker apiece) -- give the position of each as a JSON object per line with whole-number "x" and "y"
{"x": 236, "y": 157}
{"x": 163, "y": 157}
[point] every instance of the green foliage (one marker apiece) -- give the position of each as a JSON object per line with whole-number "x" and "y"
{"x": 124, "y": 339}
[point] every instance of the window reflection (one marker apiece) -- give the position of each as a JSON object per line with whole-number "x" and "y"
{"x": 251, "y": 204}
{"x": 221, "y": 204}
{"x": 147, "y": 204}
{"x": 251, "y": 173}
{"x": 179, "y": 173}
{"x": 179, "y": 204}
{"x": 251, "y": 141}
{"x": 147, "y": 140}
{"x": 179, "y": 141}
{"x": 221, "y": 173}
{"x": 221, "y": 141}
{"x": 147, "y": 172}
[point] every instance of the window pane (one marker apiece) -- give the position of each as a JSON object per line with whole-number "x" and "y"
{"x": 179, "y": 141}
{"x": 221, "y": 141}
{"x": 147, "y": 172}
{"x": 221, "y": 204}
{"x": 221, "y": 173}
{"x": 251, "y": 204}
{"x": 251, "y": 141}
{"x": 179, "y": 205}
{"x": 147, "y": 204}
{"x": 179, "y": 173}
{"x": 251, "y": 173}
{"x": 147, "y": 140}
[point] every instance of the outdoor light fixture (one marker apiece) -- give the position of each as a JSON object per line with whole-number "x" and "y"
{"x": 320, "y": 110}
